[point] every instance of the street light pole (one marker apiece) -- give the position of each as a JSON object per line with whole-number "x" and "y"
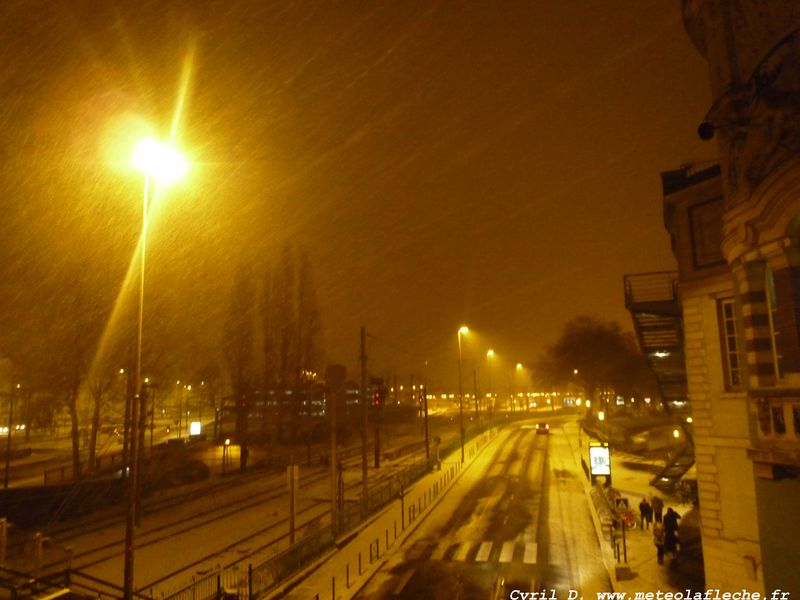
{"x": 490, "y": 403}
{"x": 133, "y": 446}
{"x": 8, "y": 437}
{"x": 461, "y": 391}
{"x": 164, "y": 164}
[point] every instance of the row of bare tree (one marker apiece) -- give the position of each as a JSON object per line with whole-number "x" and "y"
{"x": 282, "y": 317}
{"x": 70, "y": 336}
{"x": 595, "y": 354}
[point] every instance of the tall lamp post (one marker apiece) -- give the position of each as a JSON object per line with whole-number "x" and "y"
{"x": 489, "y": 357}
{"x": 463, "y": 329}
{"x": 163, "y": 164}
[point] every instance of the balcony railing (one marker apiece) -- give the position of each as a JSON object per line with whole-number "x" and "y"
{"x": 645, "y": 288}
{"x": 778, "y": 420}
{"x": 777, "y": 437}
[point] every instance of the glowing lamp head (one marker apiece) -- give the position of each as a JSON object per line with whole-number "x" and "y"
{"x": 160, "y": 161}
{"x": 463, "y": 329}
{"x": 490, "y": 354}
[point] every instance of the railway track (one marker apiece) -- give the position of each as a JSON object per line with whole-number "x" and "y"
{"x": 99, "y": 541}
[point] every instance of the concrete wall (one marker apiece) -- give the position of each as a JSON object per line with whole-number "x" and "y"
{"x": 728, "y": 524}
{"x": 779, "y": 520}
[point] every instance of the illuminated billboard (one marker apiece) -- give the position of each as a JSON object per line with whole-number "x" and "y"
{"x": 599, "y": 460}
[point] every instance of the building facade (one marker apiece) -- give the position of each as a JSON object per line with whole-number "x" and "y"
{"x": 736, "y": 234}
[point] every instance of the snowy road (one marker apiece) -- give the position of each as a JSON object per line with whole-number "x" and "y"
{"x": 521, "y": 514}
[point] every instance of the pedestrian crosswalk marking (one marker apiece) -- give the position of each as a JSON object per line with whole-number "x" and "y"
{"x": 462, "y": 551}
{"x": 507, "y": 553}
{"x": 483, "y": 552}
{"x": 440, "y": 551}
{"x": 530, "y": 553}
{"x": 459, "y": 551}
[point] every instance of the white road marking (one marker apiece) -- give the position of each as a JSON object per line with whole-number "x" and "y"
{"x": 403, "y": 581}
{"x": 507, "y": 553}
{"x": 530, "y": 553}
{"x": 484, "y": 551}
{"x": 440, "y": 551}
{"x": 462, "y": 552}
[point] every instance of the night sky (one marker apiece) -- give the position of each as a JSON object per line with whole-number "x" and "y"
{"x": 494, "y": 164}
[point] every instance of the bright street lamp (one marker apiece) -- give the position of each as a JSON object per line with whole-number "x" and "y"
{"x": 164, "y": 164}
{"x": 462, "y": 330}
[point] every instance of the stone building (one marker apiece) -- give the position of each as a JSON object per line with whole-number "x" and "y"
{"x": 735, "y": 230}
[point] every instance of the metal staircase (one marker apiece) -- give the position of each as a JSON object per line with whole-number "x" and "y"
{"x": 652, "y": 300}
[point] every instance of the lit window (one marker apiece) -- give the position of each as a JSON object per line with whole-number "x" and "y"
{"x": 777, "y": 357}
{"x": 730, "y": 346}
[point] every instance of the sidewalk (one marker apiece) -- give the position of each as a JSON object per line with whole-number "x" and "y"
{"x": 343, "y": 571}
{"x": 631, "y": 477}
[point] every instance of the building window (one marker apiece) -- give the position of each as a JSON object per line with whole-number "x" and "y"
{"x": 730, "y": 346}
{"x": 764, "y": 417}
{"x": 796, "y": 418}
{"x": 777, "y": 357}
{"x": 778, "y": 422}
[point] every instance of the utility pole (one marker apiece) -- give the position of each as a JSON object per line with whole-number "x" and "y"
{"x": 362, "y": 395}
{"x": 475, "y": 385}
{"x": 378, "y": 415}
{"x": 334, "y": 381}
{"x": 427, "y": 442}
{"x": 332, "y": 401}
{"x": 293, "y": 481}
{"x": 8, "y": 436}
{"x": 152, "y": 414}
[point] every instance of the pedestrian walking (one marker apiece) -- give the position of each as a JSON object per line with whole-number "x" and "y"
{"x": 658, "y": 540}
{"x": 658, "y": 507}
{"x": 645, "y": 513}
{"x": 671, "y": 531}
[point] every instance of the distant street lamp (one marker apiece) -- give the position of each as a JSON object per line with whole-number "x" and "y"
{"x": 164, "y": 164}
{"x": 461, "y": 330}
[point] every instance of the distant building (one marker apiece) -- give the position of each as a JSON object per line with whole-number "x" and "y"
{"x": 735, "y": 230}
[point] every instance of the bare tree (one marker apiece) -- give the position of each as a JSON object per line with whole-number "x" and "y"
{"x": 309, "y": 324}
{"x": 271, "y": 363}
{"x": 238, "y": 345}
{"x": 595, "y": 354}
{"x": 286, "y": 314}
{"x": 292, "y": 335}
{"x": 99, "y": 384}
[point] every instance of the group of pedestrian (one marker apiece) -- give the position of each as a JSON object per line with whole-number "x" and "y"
{"x": 649, "y": 508}
{"x": 665, "y": 530}
{"x": 665, "y": 527}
